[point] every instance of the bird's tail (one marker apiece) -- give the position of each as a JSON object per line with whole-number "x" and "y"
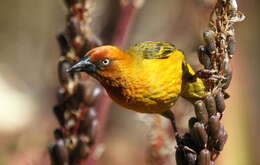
{"x": 193, "y": 88}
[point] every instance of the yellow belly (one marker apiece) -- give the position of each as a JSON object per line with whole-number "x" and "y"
{"x": 145, "y": 101}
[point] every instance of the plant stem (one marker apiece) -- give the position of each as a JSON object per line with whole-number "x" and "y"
{"x": 83, "y": 107}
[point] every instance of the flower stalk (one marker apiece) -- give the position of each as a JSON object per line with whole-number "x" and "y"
{"x": 207, "y": 136}
{"x": 83, "y": 105}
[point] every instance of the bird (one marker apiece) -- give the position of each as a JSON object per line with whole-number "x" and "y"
{"x": 148, "y": 77}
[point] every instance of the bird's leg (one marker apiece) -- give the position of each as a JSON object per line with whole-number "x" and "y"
{"x": 203, "y": 74}
{"x": 169, "y": 115}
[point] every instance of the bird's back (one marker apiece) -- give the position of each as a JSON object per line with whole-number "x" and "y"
{"x": 166, "y": 62}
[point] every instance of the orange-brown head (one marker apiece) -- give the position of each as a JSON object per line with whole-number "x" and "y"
{"x": 103, "y": 63}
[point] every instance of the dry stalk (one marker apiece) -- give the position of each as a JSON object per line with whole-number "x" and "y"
{"x": 161, "y": 141}
{"x": 82, "y": 105}
{"x": 207, "y": 136}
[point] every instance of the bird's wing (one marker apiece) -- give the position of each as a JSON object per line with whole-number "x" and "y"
{"x": 152, "y": 49}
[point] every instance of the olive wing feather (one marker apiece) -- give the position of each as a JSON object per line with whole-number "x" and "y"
{"x": 152, "y": 49}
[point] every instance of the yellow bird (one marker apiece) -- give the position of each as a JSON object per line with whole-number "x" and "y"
{"x": 148, "y": 77}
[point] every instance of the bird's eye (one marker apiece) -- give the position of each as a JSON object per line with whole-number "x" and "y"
{"x": 106, "y": 62}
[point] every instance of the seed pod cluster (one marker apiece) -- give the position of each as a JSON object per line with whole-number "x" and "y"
{"x": 220, "y": 43}
{"x": 206, "y": 137}
{"x": 184, "y": 157}
{"x": 76, "y": 98}
{"x": 209, "y": 38}
{"x": 204, "y": 57}
{"x": 201, "y": 112}
{"x": 58, "y": 153}
{"x": 76, "y": 116}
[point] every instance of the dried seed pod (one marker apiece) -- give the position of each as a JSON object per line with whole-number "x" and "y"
{"x": 69, "y": 3}
{"x": 220, "y": 102}
{"x": 180, "y": 157}
{"x": 204, "y": 157}
{"x": 192, "y": 121}
{"x": 72, "y": 102}
{"x": 186, "y": 140}
{"x": 81, "y": 151}
{"x": 70, "y": 124}
{"x": 226, "y": 95}
{"x": 89, "y": 126}
{"x": 201, "y": 112}
{"x": 233, "y": 5}
{"x": 59, "y": 113}
{"x": 214, "y": 126}
{"x": 209, "y": 38}
{"x": 71, "y": 141}
{"x": 78, "y": 92}
{"x": 58, "y": 134}
{"x": 85, "y": 124}
{"x": 62, "y": 95}
{"x": 222, "y": 138}
{"x": 231, "y": 45}
{"x": 63, "y": 43}
{"x": 191, "y": 158}
{"x": 58, "y": 153}
{"x": 227, "y": 72}
{"x": 199, "y": 135}
{"x": 211, "y": 105}
{"x": 204, "y": 57}
{"x": 64, "y": 76}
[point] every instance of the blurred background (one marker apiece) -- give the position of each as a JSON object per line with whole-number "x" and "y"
{"x": 28, "y": 78}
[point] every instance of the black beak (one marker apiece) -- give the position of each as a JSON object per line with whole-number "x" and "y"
{"x": 84, "y": 65}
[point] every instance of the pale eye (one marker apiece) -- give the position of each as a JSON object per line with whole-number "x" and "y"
{"x": 106, "y": 62}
